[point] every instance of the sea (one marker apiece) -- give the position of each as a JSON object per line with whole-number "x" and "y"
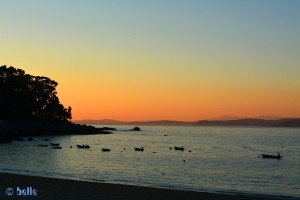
{"x": 215, "y": 159}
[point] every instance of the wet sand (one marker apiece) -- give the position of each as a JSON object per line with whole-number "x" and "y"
{"x": 63, "y": 189}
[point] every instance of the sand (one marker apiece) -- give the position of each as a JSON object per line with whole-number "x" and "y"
{"x": 56, "y": 189}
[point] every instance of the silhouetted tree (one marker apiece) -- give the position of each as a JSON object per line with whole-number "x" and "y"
{"x": 26, "y": 96}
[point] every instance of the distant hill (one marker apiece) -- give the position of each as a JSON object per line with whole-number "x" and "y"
{"x": 161, "y": 122}
{"x": 229, "y": 117}
{"x": 270, "y": 117}
{"x": 285, "y": 122}
{"x": 288, "y": 122}
{"x": 101, "y": 121}
{"x": 111, "y": 121}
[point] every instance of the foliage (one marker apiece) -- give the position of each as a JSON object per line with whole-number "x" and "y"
{"x": 26, "y": 96}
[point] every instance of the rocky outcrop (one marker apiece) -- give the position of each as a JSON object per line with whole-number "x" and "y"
{"x": 136, "y": 129}
{"x": 11, "y": 130}
{"x": 107, "y": 129}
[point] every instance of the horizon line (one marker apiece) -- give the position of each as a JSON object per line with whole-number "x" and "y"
{"x": 169, "y": 120}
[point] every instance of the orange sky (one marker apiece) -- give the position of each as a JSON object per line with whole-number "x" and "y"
{"x": 160, "y": 60}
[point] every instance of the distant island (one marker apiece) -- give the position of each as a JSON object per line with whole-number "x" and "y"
{"x": 112, "y": 122}
{"x": 29, "y": 106}
{"x": 284, "y": 122}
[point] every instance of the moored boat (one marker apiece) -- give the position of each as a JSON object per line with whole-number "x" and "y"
{"x": 56, "y": 147}
{"x": 54, "y": 144}
{"x": 83, "y": 146}
{"x": 179, "y": 148}
{"x": 139, "y": 149}
{"x": 105, "y": 150}
{"x": 278, "y": 156}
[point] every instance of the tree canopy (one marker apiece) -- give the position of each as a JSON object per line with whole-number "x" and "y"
{"x": 25, "y": 96}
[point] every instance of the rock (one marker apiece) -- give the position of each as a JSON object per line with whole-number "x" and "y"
{"x": 107, "y": 129}
{"x": 136, "y": 129}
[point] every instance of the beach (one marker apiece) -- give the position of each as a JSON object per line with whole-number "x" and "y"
{"x": 54, "y": 188}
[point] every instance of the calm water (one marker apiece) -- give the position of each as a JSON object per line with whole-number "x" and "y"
{"x": 222, "y": 159}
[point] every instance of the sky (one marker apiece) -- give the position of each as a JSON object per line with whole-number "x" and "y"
{"x": 160, "y": 59}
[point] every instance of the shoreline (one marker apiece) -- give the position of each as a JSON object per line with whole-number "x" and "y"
{"x": 15, "y": 130}
{"x": 58, "y": 188}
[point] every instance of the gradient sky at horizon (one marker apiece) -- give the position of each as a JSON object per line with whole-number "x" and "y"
{"x": 153, "y": 60}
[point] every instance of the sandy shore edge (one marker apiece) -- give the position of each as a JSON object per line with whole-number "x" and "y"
{"x": 55, "y": 188}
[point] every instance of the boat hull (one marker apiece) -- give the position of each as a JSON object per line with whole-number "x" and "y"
{"x": 139, "y": 149}
{"x": 105, "y": 150}
{"x": 179, "y": 148}
{"x": 83, "y": 146}
{"x": 271, "y": 156}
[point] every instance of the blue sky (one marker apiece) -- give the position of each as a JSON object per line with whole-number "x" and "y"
{"x": 211, "y": 45}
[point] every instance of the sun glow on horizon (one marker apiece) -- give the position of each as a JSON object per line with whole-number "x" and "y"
{"x": 137, "y": 61}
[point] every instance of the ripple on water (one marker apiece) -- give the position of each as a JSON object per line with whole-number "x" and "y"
{"x": 220, "y": 159}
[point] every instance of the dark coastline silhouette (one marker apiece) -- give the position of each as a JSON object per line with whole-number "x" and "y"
{"x": 29, "y": 106}
{"x": 24, "y": 96}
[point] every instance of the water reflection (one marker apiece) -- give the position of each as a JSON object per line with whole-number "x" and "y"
{"x": 220, "y": 158}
